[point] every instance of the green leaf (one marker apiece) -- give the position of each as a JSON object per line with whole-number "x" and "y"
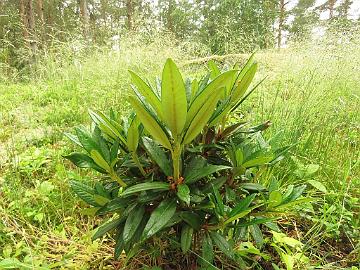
{"x": 199, "y": 173}
{"x": 146, "y": 91}
{"x": 296, "y": 193}
{"x": 217, "y": 183}
{"x": 150, "y": 124}
{"x": 258, "y": 161}
{"x": 243, "y": 84}
{"x": 107, "y": 125}
{"x": 192, "y": 219}
{"x": 132, "y": 222}
{"x": 219, "y": 204}
{"x": 100, "y": 200}
{"x": 133, "y": 135}
{"x": 84, "y": 192}
{"x": 113, "y": 206}
{"x": 145, "y": 186}
{"x": 120, "y": 243}
{"x": 317, "y": 185}
{"x": 84, "y": 161}
{"x": 215, "y": 71}
{"x": 201, "y": 118}
{"x": 202, "y": 97}
{"x": 159, "y": 217}
{"x": 242, "y": 205}
{"x": 158, "y": 155}
{"x": 86, "y": 140}
{"x": 99, "y": 160}
{"x": 237, "y": 216}
{"x": 222, "y": 244}
{"x": 275, "y": 199}
{"x": 207, "y": 255}
{"x": 186, "y": 238}
{"x": 102, "y": 230}
{"x": 252, "y": 186}
{"x": 183, "y": 192}
{"x": 257, "y": 235}
{"x": 173, "y": 98}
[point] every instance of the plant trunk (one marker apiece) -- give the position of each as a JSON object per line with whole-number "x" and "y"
{"x": 25, "y": 27}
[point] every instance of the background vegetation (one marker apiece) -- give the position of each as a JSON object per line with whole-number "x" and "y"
{"x": 71, "y": 56}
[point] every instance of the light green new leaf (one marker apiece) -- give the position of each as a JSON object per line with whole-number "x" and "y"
{"x": 159, "y": 217}
{"x": 146, "y": 91}
{"x": 275, "y": 199}
{"x": 198, "y": 102}
{"x": 173, "y": 98}
{"x": 318, "y": 185}
{"x": 243, "y": 84}
{"x": 133, "y": 222}
{"x": 150, "y": 124}
{"x": 106, "y": 125}
{"x": 201, "y": 118}
{"x": 145, "y": 186}
{"x": 133, "y": 135}
{"x": 99, "y": 160}
{"x": 186, "y": 238}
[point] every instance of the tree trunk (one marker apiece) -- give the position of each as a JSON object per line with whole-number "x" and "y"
{"x": 281, "y": 22}
{"x": 40, "y": 10}
{"x": 25, "y": 27}
{"x": 331, "y": 4}
{"x": 170, "y": 24}
{"x": 129, "y": 14}
{"x": 104, "y": 7}
{"x": 84, "y": 14}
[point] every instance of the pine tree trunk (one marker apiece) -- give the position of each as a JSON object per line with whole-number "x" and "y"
{"x": 281, "y": 22}
{"x": 31, "y": 25}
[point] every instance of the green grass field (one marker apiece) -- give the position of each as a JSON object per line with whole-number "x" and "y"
{"x": 311, "y": 96}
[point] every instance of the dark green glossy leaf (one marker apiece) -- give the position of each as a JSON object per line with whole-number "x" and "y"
{"x": 207, "y": 254}
{"x": 132, "y": 222}
{"x": 186, "y": 238}
{"x": 158, "y": 155}
{"x": 159, "y": 217}
{"x": 102, "y": 230}
{"x": 242, "y": 205}
{"x": 222, "y": 244}
{"x": 84, "y": 161}
{"x": 84, "y": 192}
{"x": 183, "y": 192}
{"x": 201, "y": 172}
{"x": 192, "y": 219}
{"x": 145, "y": 186}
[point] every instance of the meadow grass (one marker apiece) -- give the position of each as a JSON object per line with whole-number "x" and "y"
{"x": 311, "y": 95}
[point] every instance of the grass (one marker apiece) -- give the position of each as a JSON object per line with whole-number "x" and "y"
{"x": 312, "y": 99}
